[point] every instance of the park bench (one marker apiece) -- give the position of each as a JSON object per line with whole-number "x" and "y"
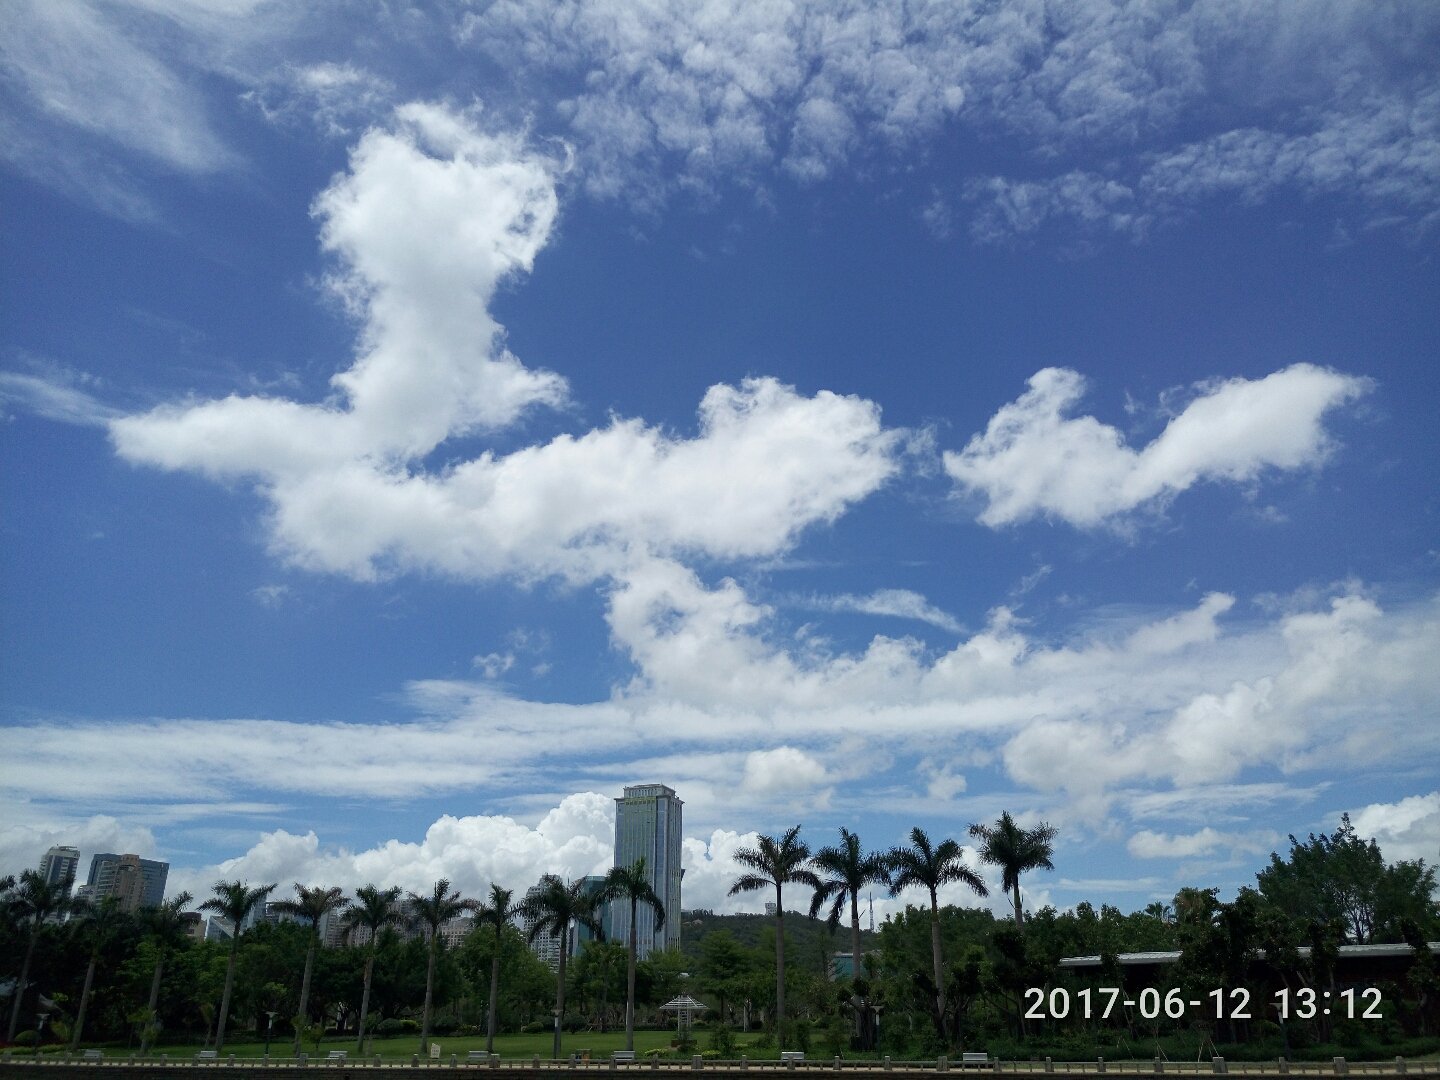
{"x": 623, "y": 1055}
{"x": 336, "y": 1055}
{"x": 207, "y": 1055}
{"x": 92, "y": 1055}
{"x": 974, "y": 1059}
{"x": 792, "y": 1055}
{"x": 478, "y": 1055}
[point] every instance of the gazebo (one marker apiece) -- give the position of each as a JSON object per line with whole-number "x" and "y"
{"x": 684, "y": 1007}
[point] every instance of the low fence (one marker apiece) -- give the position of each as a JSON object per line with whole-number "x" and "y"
{"x": 478, "y": 1066}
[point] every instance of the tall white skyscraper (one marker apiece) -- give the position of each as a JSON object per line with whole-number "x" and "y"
{"x": 647, "y": 826}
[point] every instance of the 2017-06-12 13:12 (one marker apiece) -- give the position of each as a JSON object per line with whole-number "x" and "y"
{"x": 1234, "y": 1003}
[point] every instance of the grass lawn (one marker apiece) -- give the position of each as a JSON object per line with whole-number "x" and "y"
{"x": 507, "y": 1046}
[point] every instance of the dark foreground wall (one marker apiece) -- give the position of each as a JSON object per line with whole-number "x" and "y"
{"x": 768, "y": 1070}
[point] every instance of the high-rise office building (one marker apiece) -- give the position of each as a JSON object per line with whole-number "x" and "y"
{"x": 647, "y": 826}
{"x": 545, "y": 945}
{"x": 59, "y": 865}
{"x": 579, "y": 933}
{"x": 135, "y": 881}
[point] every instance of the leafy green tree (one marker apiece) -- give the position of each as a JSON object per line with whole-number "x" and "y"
{"x": 495, "y": 915}
{"x": 32, "y": 902}
{"x": 233, "y": 901}
{"x": 933, "y": 866}
{"x": 432, "y": 912}
{"x": 725, "y": 968}
{"x": 374, "y": 910}
{"x": 1015, "y": 851}
{"x": 631, "y": 884}
{"x": 775, "y": 864}
{"x": 311, "y": 904}
{"x": 165, "y": 927}
{"x": 552, "y": 907}
{"x": 524, "y": 984}
{"x": 1342, "y": 877}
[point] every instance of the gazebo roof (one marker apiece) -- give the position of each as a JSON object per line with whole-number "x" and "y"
{"x": 684, "y": 1001}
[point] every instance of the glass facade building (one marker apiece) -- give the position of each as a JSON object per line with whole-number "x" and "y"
{"x": 648, "y": 826}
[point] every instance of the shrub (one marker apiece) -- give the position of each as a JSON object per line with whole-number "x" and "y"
{"x": 27, "y": 1038}
{"x": 397, "y": 1026}
{"x": 722, "y": 1041}
{"x": 535, "y": 1027}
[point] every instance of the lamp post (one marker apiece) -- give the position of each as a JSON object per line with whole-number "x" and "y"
{"x": 556, "y": 1052}
{"x": 270, "y": 1015}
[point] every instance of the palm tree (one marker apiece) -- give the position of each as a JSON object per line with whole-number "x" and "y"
{"x": 497, "y": 913}
{"x": 166, "y": 927}
{"x": 36, "y": 901}
{"x": 849, "y": 870}
{"x": 922, "y": 863}
{"x": 1016, "y": 851}
{"x": 101, "y": 922}
{"x": 775, "y": 864}
{"x": 632, "y": 884}
{"x": 433, "y": 912}
{"x": 233, "y": 901}
{"x": 312, "y": 904}
{"x": 374, "y": 910}
{"x": 550, "y": 907}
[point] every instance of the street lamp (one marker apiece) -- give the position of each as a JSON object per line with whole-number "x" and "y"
{"x": 555, "y": 1053}
{"x": 270, "y": 1015}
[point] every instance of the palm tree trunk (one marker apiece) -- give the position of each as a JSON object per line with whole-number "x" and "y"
{"x": 630, "y": 980}
{"x": 939, "y": 965}
{"x": 155, "y": 982}
{"x": 857, "y": 972}
{"x": 153, "y": 1007}
{"x": 1019, "y": 926}
{"x": 303, "y": 1015}
{"x": 494, "y": 1010}
{"x": 779, "y": 969}
{"x": 365, "y": 1001}
{"x": 429, "y": 990}
{"x": 225, "y": 998}
{"x": 84, "y": 1000}
{"x": 20, "y": 986}
{"x": 560, "y": 991}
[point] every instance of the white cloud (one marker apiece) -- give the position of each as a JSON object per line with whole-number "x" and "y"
{"x": 696, "y": 95}
{"x": 55, "y": 397}
{"x": 1408, "y": 829}
{"x": 1034, "y": 460}
{"x": 896, "y": 603}
{"x": 432, "y": 216}
{"x": 784, "y": 770}
{"x": 78, "y": 66}
{"x": 1153, "y": 845}
{"x": 29, "y": 832}
{"x": 573, "y": 839}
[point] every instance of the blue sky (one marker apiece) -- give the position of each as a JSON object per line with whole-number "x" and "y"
{"x": 422, "y": 420}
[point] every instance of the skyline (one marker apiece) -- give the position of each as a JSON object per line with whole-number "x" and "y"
{"x": 421, "y": 423}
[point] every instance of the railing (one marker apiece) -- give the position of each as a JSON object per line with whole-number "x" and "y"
{"x": 477, "y": 1061}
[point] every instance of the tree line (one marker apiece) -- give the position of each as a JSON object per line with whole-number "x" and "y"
{"x": 935, "y": 978}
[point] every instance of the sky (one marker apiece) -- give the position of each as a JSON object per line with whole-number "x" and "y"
{"x": 421, "y": 420}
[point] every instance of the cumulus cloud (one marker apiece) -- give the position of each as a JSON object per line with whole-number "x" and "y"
{"x": 29, "y": 832}
{"x": 782, "y": 770}
{"x": 1036, "y": 460}
{"x": 1407, "y": 829}
{"x": 573, "y": 839}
